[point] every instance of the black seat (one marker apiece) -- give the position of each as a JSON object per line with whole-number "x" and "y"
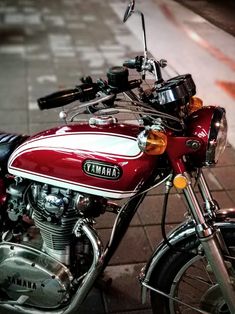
{"x": 8, "y": 142}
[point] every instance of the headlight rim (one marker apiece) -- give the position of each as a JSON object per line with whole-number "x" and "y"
{"x": 218, "y": 115}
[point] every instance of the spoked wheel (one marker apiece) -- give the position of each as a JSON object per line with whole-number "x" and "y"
{"x": 188, "y": 278}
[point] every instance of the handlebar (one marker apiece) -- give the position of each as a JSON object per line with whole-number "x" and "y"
{"x": 117, "y": 83}
{"x": 83, "y": 92}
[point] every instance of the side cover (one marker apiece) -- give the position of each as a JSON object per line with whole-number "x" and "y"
{"x": 103, "y": 161}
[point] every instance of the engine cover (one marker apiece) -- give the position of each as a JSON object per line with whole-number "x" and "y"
{"x": 29, "y": 272}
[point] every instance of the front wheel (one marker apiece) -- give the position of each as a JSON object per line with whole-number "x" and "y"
{"x": 187, "y": 277}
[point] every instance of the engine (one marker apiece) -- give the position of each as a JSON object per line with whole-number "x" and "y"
{"x": 55, "y": 212}
{"x": 40, "y": 252}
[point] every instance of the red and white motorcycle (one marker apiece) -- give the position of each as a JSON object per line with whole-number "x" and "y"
{"x": 55, "y": 183}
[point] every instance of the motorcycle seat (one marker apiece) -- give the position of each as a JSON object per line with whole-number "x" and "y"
{"x": 8, "y": 142}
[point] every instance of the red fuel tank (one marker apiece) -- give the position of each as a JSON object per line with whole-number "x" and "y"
{"x": 104, "y": 160}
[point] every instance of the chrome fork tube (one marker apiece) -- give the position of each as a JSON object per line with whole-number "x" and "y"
{"x": 211, "y": 204}
{"x": 204, "y": 189}
{"x": 212, "y": 250}
{"x": 194, "y": 206}
{"x": 211, "y": 207}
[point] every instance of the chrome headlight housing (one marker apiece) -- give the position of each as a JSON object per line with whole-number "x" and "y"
{"x": 217, "y": 137}
{"x": 209, "y": 124}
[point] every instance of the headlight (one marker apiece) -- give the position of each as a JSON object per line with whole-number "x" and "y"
{"x": 210, "y": 125}
{"x": 217, "y": 137}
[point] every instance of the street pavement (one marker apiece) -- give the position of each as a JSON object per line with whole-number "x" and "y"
{"x": 49, "y": 45}
{"x": 219, "y": 13}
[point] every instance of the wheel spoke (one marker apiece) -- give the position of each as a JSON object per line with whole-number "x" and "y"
{"x": 203, "y": 269}
{"x": 198, "y": 278}
{"x": 204, "y": 262}
{"x": 190, "y": 285}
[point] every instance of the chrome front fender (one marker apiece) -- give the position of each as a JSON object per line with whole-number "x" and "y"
{"x": 176, "y": 237}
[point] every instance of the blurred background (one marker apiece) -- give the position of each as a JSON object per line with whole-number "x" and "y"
{"x": 49, "y": 45}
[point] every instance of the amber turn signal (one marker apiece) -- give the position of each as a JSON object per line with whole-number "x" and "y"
{"x": 195, "y": 103}
{"x": 180, "y": 182}
{"x": 152, "y": 142}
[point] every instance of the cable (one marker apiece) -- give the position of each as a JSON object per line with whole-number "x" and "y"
{"x": 163, "y": 223}
{"x": 163, "y": 220}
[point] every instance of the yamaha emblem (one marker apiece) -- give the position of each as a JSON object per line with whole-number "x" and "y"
{"x": 102, "y": 170}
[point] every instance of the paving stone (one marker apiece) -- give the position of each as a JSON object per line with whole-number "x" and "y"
{"x": 212, "y": 181}
{"x": 231, "y": 194}
{"x": 227, "y": 158}
{"x": 37, "y": 68}
{"x": 134, "y": 247}
{"x": 93, "y": 304}
{"x": 50, "y": 116}
{"x": 12, "y": 69}
{"x": 38, "y": 127}
{"x": 223, "y": 199}
{"x": 151, "y": 209}
{"x": 15, "y": 128}
{"x": 125, "y": 292}
{"x": 7, "y": 116}
{"x": 14, "y": 95}
{"x": 107, "y": 220}
{"x": 69, "y": 81}
{"x": 225, "y": 175}
{"x": 154, "y": 233}
{"x": 14, "y": 18}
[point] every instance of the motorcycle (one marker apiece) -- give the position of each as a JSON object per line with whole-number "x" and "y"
{"x": 53, "y": 185}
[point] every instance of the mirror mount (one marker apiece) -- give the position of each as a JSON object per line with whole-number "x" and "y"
{"x": 129, "y": 11}
{"x": 144, "y": 34}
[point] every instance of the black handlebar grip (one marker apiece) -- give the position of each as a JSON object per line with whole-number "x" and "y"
{"x": 58, "y": 99}
{"x": 64, "y": 97}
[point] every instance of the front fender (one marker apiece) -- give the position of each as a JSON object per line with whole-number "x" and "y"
{"x": 176, "y": 237}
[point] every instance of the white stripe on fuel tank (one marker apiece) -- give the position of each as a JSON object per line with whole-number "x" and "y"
{"x": 104, "y": 143}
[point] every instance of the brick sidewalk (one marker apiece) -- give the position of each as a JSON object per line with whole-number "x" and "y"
{"x": 46, "y": 45}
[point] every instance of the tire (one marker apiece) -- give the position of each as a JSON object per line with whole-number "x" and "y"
{"x": 185, "y": 275}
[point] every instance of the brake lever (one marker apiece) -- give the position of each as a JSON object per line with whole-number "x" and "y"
{"x": 97, "y": 100}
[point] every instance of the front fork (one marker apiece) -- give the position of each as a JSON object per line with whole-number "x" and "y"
{"x": 211, "y": 239}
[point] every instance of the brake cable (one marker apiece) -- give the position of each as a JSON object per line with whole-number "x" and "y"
{"x": 168, "y": 185}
